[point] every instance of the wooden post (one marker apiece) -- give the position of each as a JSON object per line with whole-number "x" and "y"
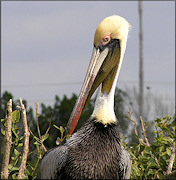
{"x": 141, "y": 78}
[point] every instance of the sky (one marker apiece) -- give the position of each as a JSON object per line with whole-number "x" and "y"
{"x": 46, "y": 46}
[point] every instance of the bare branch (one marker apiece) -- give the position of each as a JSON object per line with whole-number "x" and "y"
{"x": 134, "y": 123}
{"x": 144, "y": 131}
{"x": 39, "y": 140}
{"x": 135, "y": 130}
{"x": 49, "y": 124}
{"x": 26, "y": 142}
{"x": 171, "y": 160}
{"x": 38, "y": 128}
{"x": 44, "y": 147}
{"x": 7, "y": 141}
{"x": 31, "y": 132}
{"x": 46, "y": 133}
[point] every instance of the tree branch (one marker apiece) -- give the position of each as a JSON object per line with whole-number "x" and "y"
{"x": 38, "y": 128}
{"x": 49, "y": 124}
{"x": 144, "y": 131}
{"x": 7, "y": 141}
{"x": 135, "y": 130}
{"x": 134, "y": 123}
{"x": 26, "y": 142}
{"x": 171, "y": 160}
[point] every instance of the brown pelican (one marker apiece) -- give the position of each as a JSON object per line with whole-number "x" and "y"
{"x": 95, "y": 150}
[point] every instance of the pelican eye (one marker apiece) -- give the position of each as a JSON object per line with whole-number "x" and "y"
{"x": 106, "y": 39}
{"x": 105, "y": 42}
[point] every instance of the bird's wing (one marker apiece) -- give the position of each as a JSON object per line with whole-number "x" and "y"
{"x": 125, "y": 164}
{"x": 52, "y": 163}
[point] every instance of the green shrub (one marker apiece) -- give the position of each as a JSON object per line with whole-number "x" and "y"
{"x": 149, "y": 161}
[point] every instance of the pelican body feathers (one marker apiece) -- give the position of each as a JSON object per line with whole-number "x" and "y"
{"x": 93, "y": 152}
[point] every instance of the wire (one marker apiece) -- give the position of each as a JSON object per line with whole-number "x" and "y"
{"x": 78, "y": 83}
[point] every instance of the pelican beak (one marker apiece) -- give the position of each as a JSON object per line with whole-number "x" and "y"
{"x": 102, "y": 69}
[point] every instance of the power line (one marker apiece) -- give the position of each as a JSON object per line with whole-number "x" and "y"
{"x": 43, "y": 84}
{"x": 53, "y": 100}
{"x": 79, "y": 83}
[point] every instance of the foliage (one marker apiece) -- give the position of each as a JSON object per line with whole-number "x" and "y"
{"x": 150, "y": 161}
{"x": 16, "y": 149}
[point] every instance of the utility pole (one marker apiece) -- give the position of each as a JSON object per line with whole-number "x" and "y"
{"x": 141, "y": 77}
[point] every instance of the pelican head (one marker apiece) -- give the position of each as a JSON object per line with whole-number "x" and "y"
{"x": 109, "y": 48}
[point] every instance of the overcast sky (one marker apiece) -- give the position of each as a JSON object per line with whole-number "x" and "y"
{"x": 46, "y": 46}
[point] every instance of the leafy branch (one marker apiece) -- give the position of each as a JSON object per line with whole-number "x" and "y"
{"x": 39, "y": 143}
{"x": 151, "y": 161}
